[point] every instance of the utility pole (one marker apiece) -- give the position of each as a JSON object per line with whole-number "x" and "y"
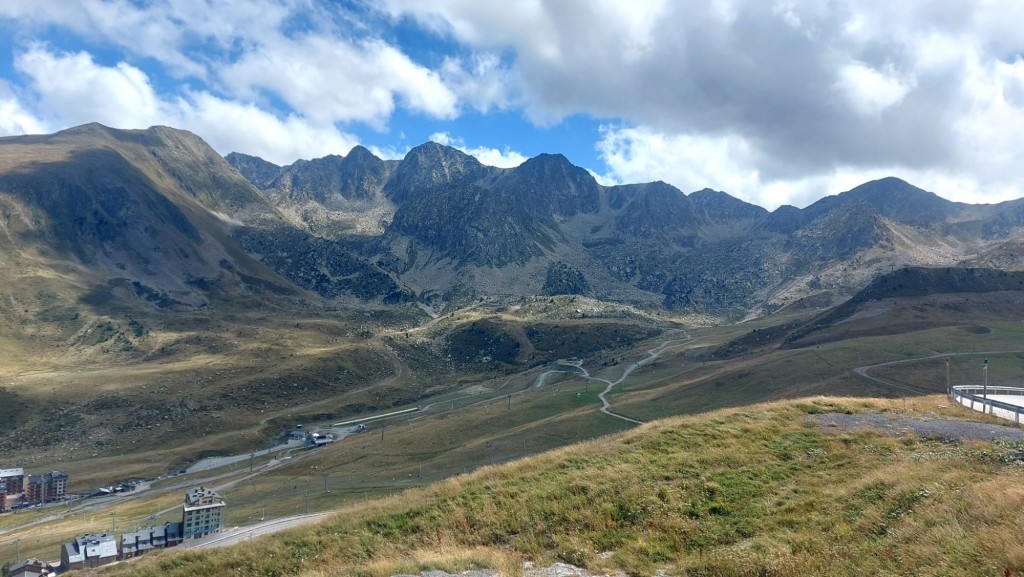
{"x": 307, "y": 501}
{"x": 252, "y": 461}
{"x": 382, "y": 431}
{"x": 326, "y": 490}
{"x": 984, "y": 387}
{"x": 510, "y": 402}
{"x": 949, "y": 389}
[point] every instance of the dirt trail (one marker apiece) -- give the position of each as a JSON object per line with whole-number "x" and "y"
{"x": 652, "y": 354}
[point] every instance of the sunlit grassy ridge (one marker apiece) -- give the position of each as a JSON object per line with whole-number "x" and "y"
{"x": 762, "y": 490}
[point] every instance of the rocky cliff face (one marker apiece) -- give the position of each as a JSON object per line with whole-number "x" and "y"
{"x": 159, "y": 208}
{"x": 256, "y": 170}
{"x": 333, "y": 180}
{"x": 144, "y": 214}
{"x": 157, "y": 216}
{"x": 457, "y": 222}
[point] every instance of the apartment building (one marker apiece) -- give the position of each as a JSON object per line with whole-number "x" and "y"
{"x": 46, "y": 487}
{"x": 13, "y": 481}
{"x": 202, "y": 514}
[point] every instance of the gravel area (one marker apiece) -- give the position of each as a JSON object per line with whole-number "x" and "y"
{"x": 474, "y": 573}
{"x": 946, "y": 429}
{"x": 529, "y": 570}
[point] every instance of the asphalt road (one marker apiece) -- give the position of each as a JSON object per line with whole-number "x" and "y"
{"x": 237, "y": 535}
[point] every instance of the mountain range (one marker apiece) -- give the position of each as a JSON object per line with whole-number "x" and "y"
{"x": 159, "y": 217}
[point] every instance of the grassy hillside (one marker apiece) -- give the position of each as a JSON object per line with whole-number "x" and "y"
{"x": 761, "y": 490}
{"x": 475, "y": 412}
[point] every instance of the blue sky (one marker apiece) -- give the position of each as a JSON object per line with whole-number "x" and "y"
{"x": 774, "y": 102}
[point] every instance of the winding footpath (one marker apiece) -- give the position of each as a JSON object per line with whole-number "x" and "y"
{"x": 652, "y": 354}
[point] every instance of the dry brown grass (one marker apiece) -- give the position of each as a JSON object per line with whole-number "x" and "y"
{"x": 758, "y": 490}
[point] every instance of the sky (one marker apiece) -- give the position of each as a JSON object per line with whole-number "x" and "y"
{"x": 774, "y": 102}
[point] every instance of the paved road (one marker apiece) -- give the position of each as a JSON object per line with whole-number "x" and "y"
{"x": 863, "y": 371}
{"x": 239, "y": 534}
{"x": 1015, "y": 400}
{"x": 218, "y": 462}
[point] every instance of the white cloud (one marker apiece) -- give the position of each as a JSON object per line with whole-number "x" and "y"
{"x": 389, "y": 152}
{"x": 480, "y": 80}
{"x": 506, "y": 158}
{"x": 147, "y": 32}
{"x": 332, "y": 80}
{"x": 15, "y": 119}
{"x": 231, "y": 126}
{"x": 165, "y": 31}
{"x": 691, "y": 162}
{"x": 688, "y": 162}
{"x": 82, "y": 91}
{"x": 871, "y": 91}
{"x": 758, "y": 95}
{"x": 123, "y": 96}
{"x": 991, "y": 129}
{"x": 743, "y": 95}
{"x": 253, "y": 50}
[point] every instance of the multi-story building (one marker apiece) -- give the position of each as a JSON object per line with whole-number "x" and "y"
{"x": 90, "y": 550}
{"x": 46, "y": 487}
{"x": 138, "y": 542}
{"x": 203, "y": 513}
{"x": 13, "y": 480}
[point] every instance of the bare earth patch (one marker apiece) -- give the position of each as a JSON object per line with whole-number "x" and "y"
{"x": 946, "y": 429}
{"x": 529, "y": 570}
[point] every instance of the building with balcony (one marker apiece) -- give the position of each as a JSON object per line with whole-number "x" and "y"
{"x": 46, "y": 487}
{"x": 202, "y": 514}
{"x": 13, "y": 481}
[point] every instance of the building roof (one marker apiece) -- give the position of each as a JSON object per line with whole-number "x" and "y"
{"x": 137, "y": 535}
{"x": 96, "y": 545}
{"x": 19, "y": 472}
{"x": 201, "y": 497}
{"x": 48, "y": 476}
{"x": 26, "y": 563}
{"x": 29, "y": 568}
{"x": 73, "y": 553}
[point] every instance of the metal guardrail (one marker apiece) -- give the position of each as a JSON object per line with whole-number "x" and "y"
{"x": 974, "y": 396}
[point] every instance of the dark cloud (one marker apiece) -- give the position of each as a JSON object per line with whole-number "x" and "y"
{"x": 813, "y": 87}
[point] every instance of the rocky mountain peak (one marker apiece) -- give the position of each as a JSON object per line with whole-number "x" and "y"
{"x": 653, "y": 207}
{"x": 428, "y": 166}
{"x": 361, "y": 154}
{"x": 893, "y": 198}
{"x": 256, "y": 170}
{"x": 363, "y": 174}
{"x": 718, "y": 207}
{"x": 553, "y": 185}
{"x": 357, "y": 225}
